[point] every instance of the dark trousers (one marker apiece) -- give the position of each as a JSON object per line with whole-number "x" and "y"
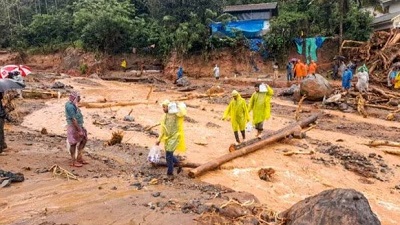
{"x": 2, "y": 141}
{"x": 171, "y": 161}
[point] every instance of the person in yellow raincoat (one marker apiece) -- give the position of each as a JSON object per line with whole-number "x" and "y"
{"x": 239, "y": 115}
{"x": 260, "y": 104}
{"x": 123, "y": 65}
{"x": 172, "y": 134}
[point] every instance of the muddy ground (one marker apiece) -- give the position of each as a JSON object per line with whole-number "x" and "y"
{"x": 120, "y": 187}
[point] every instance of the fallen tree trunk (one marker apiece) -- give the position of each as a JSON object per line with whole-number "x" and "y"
{"x": 40, "y": 94}
{"x": 383, "y": 143}
{"x": 303, "y": 123}
{"x": 393, "y": 152}
{"x": 381, "y": 107}
{"x": 181, "y": 164}
{"x": 110, "y": 104}
{"x": 215, "y": 163}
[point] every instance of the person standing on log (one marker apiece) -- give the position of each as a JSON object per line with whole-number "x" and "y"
{"x": 239, "y": 115}
{"x": 76, "y": 133}
{"x": 172, "y": 134}
{"x": 260, "y": 104}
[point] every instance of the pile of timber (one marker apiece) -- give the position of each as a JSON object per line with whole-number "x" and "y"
{"x": 379, "y": 53}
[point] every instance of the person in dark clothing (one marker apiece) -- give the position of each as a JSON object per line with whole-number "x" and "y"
{"x": 335, "y": 71}
{"x": 3, "y": 115}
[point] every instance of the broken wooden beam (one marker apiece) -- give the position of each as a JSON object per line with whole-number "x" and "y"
{"x": 215, "y": 163}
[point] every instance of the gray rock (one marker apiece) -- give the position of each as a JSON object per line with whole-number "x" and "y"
{"x": 332, "y": 207}
{"x": 129, "y": 118}
{"x": 315, "y": 87}
{"x": 183, "y": 82}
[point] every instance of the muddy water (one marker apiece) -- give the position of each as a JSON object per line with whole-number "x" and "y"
{"x": 296, "y": 177}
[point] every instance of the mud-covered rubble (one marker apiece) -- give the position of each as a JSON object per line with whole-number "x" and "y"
{"x": 371, "y": 166}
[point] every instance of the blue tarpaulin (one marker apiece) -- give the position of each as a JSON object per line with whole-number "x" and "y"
{"x": 249, "y": 28}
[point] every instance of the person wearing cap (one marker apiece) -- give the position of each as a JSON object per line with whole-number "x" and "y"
{"x": 239, "y": 115}
{"x": 76, "y": 133}
{"x": 260, "y": 104}
{"x": 172, "y": 133}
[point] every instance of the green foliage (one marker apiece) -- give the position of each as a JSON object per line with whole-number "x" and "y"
{"x": 83, "y": 68}
{"x": 158, "y": 27}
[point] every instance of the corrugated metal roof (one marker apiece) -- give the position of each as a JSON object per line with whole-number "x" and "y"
{"x": 385, "y": 18}
{"x": 251, "y": 7}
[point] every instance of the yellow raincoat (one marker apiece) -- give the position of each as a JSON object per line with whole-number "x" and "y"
{"x": 172, "y": 133}
{"x": 397, "y": 81}
{"x": 260, "y": 104}
{"x": 123, "y": 64}
{"x": 237, "y": 111}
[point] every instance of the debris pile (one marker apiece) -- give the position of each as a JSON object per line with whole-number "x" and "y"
{"x": 379, "y": 53}
{"x": 6, "y": 178}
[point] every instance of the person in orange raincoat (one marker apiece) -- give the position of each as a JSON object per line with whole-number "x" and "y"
{"x": 312, "y": 68}
{"x": 300, "y": 70}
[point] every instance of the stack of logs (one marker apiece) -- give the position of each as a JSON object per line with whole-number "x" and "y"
{"x": 379, "y": 53}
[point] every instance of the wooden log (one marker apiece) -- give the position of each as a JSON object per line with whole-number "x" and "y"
{"x": 377, "y": 143}
{"x": 110, "y": 104}
{"x": 381, "y": 107}
{"x": 393, "y": 152}
{"x": 39, "y": 94}
{"x": 215, "y": 163}
{"x": 180, "y": 164}
{"x": 303, "y": 124}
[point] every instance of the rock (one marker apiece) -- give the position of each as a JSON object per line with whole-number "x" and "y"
{"x": 156, "y": 194}
{"x": 296, "y": 94}
{"x": 331, "y": 207}
{"x": 44, "y": 131}
{"x": 397, "y": 187}
{"x": 5, "y": 183}
{"x": 58, "y": 85}
{"x": 343, "y": 106}
{"x": 290, "y": 91}
{"x": 315, "y": 87}
{"x": 183, "y": 82}
{"x": 94, "y": 76}
{"x": 129, "y": 118}
{"x": 371, "y": 155}
{"x": 233, "y": 211}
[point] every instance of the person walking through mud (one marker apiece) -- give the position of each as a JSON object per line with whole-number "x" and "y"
{"x": 260, "y": 104}
{"x": 76, "y": 133}
{"x": 239, "y": 115}
{"x": 346, "y": 79}
{"x": 172, "y": 133}
{"x": 3, "y": 115}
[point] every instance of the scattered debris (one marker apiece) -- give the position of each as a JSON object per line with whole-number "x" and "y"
{"x": 210, "y": 124}
{"x": 116, "y": 138}
{"x": 266, "y": 174}
{"x": 44, "y": 131}
{"x": 59, "y": 171}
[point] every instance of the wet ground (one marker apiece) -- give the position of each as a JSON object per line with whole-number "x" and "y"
{"x": 119, "y": 182}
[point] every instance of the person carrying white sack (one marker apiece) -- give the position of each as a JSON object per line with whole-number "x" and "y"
{"x": 172, "y": 133}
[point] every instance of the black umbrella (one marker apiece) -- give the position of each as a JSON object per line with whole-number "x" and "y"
{"x": 9, "y": 84}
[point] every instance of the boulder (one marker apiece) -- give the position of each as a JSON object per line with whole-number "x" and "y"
{"x": 183, "y": 82}
{"x": 332, "y": 207}
{"x": 315, "y": 87}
